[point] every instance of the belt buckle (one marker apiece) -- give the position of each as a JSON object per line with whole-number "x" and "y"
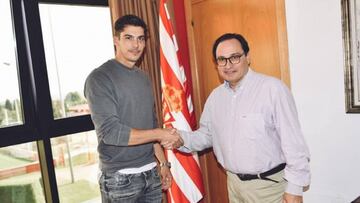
{"x": 259, "y": 176}
{"x": 242, "y": 177}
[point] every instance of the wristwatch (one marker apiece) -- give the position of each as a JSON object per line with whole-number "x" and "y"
{"x": 166, "y": 163}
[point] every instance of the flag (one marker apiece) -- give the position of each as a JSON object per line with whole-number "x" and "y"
{"x": 178, "y": 112}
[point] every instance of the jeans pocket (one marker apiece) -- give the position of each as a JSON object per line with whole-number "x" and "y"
{"x": 119, "y": 186}
{"x": 118, "y": 180}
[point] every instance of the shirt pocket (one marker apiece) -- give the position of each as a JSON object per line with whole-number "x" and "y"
{"x": 251, "y": 125}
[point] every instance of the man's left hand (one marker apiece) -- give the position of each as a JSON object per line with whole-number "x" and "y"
{"x": 166, "y": 177}
{"x": 289, "y": 198}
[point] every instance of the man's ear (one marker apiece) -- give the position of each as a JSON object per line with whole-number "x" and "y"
{"x": 116, "y": 39}
{"x": 248, "y": 58}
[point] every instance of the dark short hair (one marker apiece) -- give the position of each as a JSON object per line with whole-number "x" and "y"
{"x": 228, "y": 36}
{"x": 126, "y": 20}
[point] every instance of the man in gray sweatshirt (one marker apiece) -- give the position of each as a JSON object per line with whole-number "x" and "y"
{"x": 122, "y": 109}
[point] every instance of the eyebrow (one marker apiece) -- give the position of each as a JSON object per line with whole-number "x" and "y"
{"x": 233, "y": 54}
{"x": 129, "y": 35}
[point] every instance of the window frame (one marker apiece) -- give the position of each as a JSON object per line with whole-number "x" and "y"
{"x": 26, "y": 132}
{"x": 49, "y": 126}
{"x": 39, "y": 124}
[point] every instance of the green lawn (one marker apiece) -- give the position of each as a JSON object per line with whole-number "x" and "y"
{"x": 28, "y": 186}
{"x": 21, "y": 179}
{"x": 79, "y": 191}
{"x": 9, "y": 162}
{"x": 24, "y": 188}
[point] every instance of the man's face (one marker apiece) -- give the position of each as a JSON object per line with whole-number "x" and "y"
{"x": 232, "y": 73}
{"x": 130, "y": 45}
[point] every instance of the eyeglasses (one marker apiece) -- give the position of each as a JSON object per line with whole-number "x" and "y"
{"x": 235, "y": 59}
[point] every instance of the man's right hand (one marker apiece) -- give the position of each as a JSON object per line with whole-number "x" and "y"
{"x": 170, "y": 138}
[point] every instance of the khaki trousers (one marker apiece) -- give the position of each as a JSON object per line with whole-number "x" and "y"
{"x": 256, "y": 191}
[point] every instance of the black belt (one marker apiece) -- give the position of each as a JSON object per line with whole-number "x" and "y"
{"x": 262, "y": 176}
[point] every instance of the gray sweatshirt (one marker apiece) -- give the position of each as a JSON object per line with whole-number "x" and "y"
{"x": 120, "y": 99}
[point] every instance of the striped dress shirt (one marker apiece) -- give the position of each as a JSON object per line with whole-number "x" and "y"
{"x": 252, "y": 129}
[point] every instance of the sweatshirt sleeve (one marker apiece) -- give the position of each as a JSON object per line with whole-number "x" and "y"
{"x": 100, "y": 94}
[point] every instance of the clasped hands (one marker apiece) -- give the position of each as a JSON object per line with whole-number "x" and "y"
{"x": 170, "y": 138}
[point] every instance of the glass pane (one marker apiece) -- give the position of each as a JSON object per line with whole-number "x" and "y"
{"x": 76, "y": 167}
{"x": 77, "y": 39}
{"x": 20, "y": 176}
{"x": 10, "y": 102}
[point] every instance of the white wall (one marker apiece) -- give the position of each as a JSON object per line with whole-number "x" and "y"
{"x": 317, "y": 79}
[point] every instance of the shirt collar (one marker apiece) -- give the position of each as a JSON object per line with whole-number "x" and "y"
{"x": 241, "y": 82}
{"x": 133, "y": 69}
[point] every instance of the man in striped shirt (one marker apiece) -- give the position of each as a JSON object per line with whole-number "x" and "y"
{"x": 252, "y": 124}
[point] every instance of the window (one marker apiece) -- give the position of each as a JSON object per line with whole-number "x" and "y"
{"x": 10, "y": 101}
{"x": 77, "y": 39}
{"x": 45, "y": 129}
{"x": 20, "y": 177}
{"x": 76, "y": 166}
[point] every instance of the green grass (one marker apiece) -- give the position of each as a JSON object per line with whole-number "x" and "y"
{"x": 79, "y": 191}
{"x": 21, "y": 179}
{"x": 28, "y": 186}
{"x": 9, "y": 162}
{"x": 25, "y": 190}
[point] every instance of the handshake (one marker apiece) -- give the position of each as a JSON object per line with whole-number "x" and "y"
{"x": 170, "y": 138}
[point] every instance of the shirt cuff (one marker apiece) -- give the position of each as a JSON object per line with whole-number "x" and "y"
{"x": 294, "y": 189}
{"x": 184, "y": 149}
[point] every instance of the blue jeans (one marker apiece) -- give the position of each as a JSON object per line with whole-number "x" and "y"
{"x": 141, "y": 187}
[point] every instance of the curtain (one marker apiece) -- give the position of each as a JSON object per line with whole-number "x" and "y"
{"x": 148, "y": 10}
